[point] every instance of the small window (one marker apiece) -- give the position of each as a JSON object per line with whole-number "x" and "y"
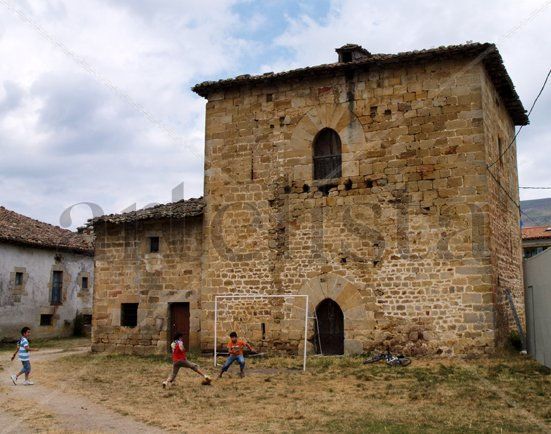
{"x": 327, "y": 154}
{"x": 57, "y": 287}
{"x": 84, "y": 283}
{"x": 129, "y": 314}
{"x": 46, "y": 319}
{"x": 18, "y": 278}
{"x": 153, "y": 244}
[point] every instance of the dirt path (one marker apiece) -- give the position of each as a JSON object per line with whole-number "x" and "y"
{"x": 46, "y": 408}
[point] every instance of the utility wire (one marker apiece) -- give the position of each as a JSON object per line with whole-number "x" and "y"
{"x": 520, "y": 129}
{"x": 511, "y": 198}
{"x": 536, "y": 188}
{"x": 517, "y": 205}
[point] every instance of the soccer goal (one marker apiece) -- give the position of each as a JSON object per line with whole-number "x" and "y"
{"x": 220, "y": 299}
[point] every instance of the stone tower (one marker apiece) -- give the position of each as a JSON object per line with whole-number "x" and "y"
{"x": 375, "y": 185}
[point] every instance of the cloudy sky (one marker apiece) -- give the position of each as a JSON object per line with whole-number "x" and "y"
{"x": 95, "y": 100}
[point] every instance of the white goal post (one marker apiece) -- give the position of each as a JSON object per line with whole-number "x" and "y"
{"x": 219, "y": 298}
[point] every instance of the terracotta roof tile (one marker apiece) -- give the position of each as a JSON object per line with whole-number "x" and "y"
{"x": 536, "y": 232}
{"x": 489, "y": 56}
{"x": 183, "y": 208}
{"x": 18, "y": 229}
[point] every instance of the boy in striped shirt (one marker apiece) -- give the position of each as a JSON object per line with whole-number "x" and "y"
{"x": 23, "y": 351}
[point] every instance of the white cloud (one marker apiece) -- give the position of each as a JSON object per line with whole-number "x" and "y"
{"x": 66, "y": 136}
{"x": 520, "y": 30}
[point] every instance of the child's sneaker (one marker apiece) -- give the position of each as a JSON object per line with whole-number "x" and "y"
{"x": 14, "y": 379}
{"x": 27, "y": 383}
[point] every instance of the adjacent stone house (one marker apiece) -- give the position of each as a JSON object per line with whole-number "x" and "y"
{"x": 46, "y": 278}
{"x": 381, "y": 186}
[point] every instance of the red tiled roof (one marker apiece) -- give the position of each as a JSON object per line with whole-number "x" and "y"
{"x": 536, "y": 232}
{"x": 19, "y": 229}
{"x": 487, "y": 53}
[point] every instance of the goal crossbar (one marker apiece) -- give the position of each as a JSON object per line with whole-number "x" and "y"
{"x": 222, "y": 297}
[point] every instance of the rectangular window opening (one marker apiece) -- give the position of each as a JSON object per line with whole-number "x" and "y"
{"x": 46, "y": 319}
{"x": 18, "y": 278}
{"x": 129, "y": 314}
{"x": 263, "y": 327}
{"x": 84, "y": 284}
{"x": 57, "y": 287}
{"x": 153, "y": 244}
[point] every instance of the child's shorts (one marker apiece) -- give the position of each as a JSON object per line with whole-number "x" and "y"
{"x": 26, "y": 366}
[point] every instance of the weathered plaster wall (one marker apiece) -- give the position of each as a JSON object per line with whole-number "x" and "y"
{"x": 22, "y": 305}
{"x": 127, "y": 273}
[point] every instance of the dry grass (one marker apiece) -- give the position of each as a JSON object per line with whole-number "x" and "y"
{"x": 508, "y": 394}
{"x": 28, "y": 415}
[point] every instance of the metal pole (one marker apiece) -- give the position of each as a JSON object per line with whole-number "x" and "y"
{"x": 318, "y": 332}
{"x": 305, "y": 333}
{"x": 215, "y": 323}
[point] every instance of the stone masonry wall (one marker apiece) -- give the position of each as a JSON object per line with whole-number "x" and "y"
{"x": 127, "y": 273}
{"x": 504, "y": 216}
{"x": 401, "y": 240}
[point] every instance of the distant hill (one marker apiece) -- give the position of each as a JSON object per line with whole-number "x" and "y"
{"x": 538, "y": 210}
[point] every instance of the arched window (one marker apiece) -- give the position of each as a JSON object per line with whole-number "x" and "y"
{"x": 327, "y": 154}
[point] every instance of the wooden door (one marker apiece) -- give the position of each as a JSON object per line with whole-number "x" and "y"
{"x": 330, "y": 328}
{"x": 179, "y": 321}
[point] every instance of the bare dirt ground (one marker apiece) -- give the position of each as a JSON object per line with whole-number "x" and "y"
{"x": 107, "y": 393}
{"x": 44, "y": 407}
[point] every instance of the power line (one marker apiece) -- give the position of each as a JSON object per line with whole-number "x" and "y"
{"x": 536, "y": 188}
{"x": 536, "y": 223}
{"x": 512, "y": 199}
{"x": 504, "y": 189}
{"x": 520, "y": 129}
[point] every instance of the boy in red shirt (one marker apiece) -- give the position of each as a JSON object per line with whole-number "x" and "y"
{"x": 235, "y": 348}
{"x": 179, "y": 360}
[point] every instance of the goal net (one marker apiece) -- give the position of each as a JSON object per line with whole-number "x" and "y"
{"x": 277, "y": 320}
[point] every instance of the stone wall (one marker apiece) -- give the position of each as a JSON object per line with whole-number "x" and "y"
{"x": 127, "y": 273}
{"x": 402, "y": 239}
{"x": 23, "y": 304}
{"x": 505, "y": 240}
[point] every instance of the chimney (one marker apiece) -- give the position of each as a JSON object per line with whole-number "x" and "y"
{"x": 352, "y": 53}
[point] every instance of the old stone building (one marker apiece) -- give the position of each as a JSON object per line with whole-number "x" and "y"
{"x": 46, "y": 278}
{"x": 381, "y": 186}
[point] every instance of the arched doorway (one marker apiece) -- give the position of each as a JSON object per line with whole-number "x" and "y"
{"x": 329, "y": 328}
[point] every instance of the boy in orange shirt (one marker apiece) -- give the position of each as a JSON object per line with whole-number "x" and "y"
{"x": 235, "y": 348}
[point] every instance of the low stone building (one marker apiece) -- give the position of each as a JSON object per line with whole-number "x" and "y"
{"x": 46, "y": 278}
{"x": 148, "y": 277}
{"x": 381, "y": 186}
